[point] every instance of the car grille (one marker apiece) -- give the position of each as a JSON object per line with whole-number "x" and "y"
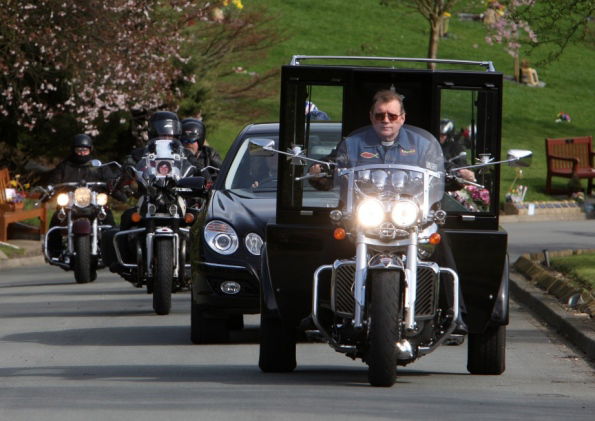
{"x": 343, "y": 303}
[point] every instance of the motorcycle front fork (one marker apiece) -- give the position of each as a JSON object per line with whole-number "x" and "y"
{"x": 410, "y": 280}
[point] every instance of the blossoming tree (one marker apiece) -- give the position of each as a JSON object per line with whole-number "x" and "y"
{"x": 78, "y": 63}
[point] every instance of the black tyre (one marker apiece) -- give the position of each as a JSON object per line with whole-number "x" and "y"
{"x": 235, "y": 322}
{"x": 486, "y": 352}
{"x": 384, "y": 309}
{"x": 163, "y": 271}
{"x": 82, "y": 259}
{"x": 206, "y": 330}
{"x": 277, "y": 345}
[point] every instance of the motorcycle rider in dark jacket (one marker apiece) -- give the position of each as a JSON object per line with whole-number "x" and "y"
{"x": 76, "y": 167}
{"x": 193, "y": 139}
{"x": 162, "y": 125}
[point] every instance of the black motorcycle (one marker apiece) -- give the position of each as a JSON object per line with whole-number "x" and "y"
{"x": 152, "y": 250}
{"x": 83, "y": 213}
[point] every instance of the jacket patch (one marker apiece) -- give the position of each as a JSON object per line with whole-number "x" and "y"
{"x": 408, "y": 151}
{"x": 368, "y": 155}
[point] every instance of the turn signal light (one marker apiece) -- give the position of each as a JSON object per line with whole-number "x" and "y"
{"x": 435, "y": 239}
{"x": 339, "y": 234}
{"x": 136, "y": 217}
{"x": 189, "y": 218}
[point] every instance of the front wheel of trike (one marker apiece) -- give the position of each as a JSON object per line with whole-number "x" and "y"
{"x": 384, "y": 307}
{"x": 486, "y": 352}
{"x": 277, "y": 345}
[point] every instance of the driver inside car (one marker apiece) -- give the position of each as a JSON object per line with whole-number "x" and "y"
{"x": 389, "y": 141}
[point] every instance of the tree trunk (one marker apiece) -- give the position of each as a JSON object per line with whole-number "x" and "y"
{"x": 434, "y": 40}
{"x": 517, "y": 68}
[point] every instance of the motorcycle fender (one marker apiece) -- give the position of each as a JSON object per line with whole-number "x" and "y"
{"x": 163, "y": 230}
{"x": 501, "y": 308}
{"x": 81, "y": 226}
{"x": 385, "y": 262}
{"x": 268, "y": 299}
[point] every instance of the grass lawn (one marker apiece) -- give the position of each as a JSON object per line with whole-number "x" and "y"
{"x": 11, "y": 252}
{"x": 580, "y": 268}
{"x": 367, "y": 28}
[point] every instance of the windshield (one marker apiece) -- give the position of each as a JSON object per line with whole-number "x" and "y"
{"x": 391, "y": 181}
{"x": 258, "y": 173}
{"x": 164, "y": 159}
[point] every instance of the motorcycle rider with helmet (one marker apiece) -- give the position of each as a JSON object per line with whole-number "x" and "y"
{"x": 76, "y": 167}
{"x": 452, "y": 148}
{"x": 162, "y": 125}
{"x": 193, "y": 138}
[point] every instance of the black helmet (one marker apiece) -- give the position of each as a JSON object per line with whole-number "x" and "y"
{"x": 164, "y": 123}
{"x": 193, "y": 130}
{"x": 447, "y": 127}
{"x": 82, "y": 141}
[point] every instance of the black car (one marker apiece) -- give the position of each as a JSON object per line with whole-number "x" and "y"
{"x": 228, "y": 235}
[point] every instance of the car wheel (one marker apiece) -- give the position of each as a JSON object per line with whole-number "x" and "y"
{"x": 486, "y": 352}
{"x": 206, "y": 330}
{"x": 277, "y": 346}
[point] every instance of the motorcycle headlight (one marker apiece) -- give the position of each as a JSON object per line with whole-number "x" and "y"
{"x": 405, "y": 213}
{"x": 82, "y": 197}
{"x": 62, "y": 199}
{"x": 253, "y": 243}
{"x": 102, "y": 199}
{"x": 370, "y": 213}
{"x": 221, "y": 237}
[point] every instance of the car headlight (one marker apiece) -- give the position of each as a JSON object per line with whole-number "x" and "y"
{"x": 82, "y": 197}
{"x": 253, "y": 243}
{"x": 62, "y": 199}
{"x": 102, "y": 199}
{"x": 370, "y": 213}
{"x": 221, "y": 237}
{"x": 405, "y": 213}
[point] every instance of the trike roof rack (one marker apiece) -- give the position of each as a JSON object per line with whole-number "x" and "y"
{"x": 297, "y": 60}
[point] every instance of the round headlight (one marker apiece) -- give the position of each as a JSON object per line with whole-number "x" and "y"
{"x": 253, "y": 243}
{"x": 370, "y": 213}
{"x": 82, "y": 197}
{"x": 102, "y": 199}
{"x": 405, "y": 213}
{"x": 62, "y": 199}
{"x": 221, "y": 237}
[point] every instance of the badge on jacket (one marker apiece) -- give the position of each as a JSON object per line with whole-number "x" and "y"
{"x": 368, "y": 155}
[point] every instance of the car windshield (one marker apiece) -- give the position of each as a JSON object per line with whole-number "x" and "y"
{"x": 258, "y": 173}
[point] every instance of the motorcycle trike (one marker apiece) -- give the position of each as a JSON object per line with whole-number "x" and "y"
{"x": 389, "y": 261}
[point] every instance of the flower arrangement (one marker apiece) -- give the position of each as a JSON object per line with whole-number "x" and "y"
{"x": 17, "y": 192}
{"x": 578, "y": 197}
{"x": 563, "y": 117}
{"x": 517, "y": 194}
{"x": 474, "y": 198}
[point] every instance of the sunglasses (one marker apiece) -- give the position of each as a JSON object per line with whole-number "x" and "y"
{"x": 188, "y": 142}
{"x": 382, "y": 116}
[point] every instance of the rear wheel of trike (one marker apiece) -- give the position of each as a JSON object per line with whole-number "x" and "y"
{"x": 82, "y": 259}
{"x": 384, "y": 308}
{"x": 277, "y": 345}
{"x": 486, "y": 352}
{"x": 206, "y": 330}
{"x": 163, "y": 275}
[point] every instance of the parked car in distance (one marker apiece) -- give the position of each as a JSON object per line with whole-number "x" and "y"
{"x": 228, "y": 235}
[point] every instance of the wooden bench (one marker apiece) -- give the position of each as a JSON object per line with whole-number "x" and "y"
{"x": 8, "y": 216}
{"x": 569, "y": 157}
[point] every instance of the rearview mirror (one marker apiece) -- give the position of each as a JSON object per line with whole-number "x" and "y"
{"x": 519, "y": 158}
{"x": 261, "y": 147}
